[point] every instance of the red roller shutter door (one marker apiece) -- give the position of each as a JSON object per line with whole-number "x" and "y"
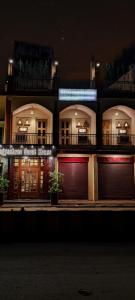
{"x": 75, "y": 172}
{"x": 116, "y": 180}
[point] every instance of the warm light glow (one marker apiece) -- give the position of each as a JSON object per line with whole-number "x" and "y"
{"x": 116, "y": 114}
{"x": 27, "y": 122}
{"x": 82, "y": 130}
{"x": 19, "y": 122}
{"x": 118, "y": 125}
{"x": 98, "y": 64}
{"x": 10, "y": 61}
{"x": 25, "y": 157}
{"x": 51, "y": 157}
{"x": 126, "y": 124}
{"x": 32, "y": 112}
{"x": 23, "y": 129}
{"x": 76, "y": 113}
{"x": 56, "y": 63}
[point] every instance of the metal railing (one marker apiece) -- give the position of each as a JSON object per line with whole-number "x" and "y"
{"x": 118, "y": 140}
{"x": 127, "y": 140}
{"x": 32, "y": 84}
{"x": 77, "y": 139}
{"x": 32, "y": 138}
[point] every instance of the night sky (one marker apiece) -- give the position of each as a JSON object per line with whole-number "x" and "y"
{"x": 75, "y": 29}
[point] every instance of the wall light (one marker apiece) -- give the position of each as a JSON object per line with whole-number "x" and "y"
{"x": 118, "y": 125}
{"x": 126, "y": 124}
{"x": 19, "y": 122}
{"x": 27, "y": 123}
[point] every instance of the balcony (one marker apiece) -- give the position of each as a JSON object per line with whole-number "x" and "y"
{"x": 126, "y": 140}
{"x": 32, "y": 138}
{"x": 77, "y": 139}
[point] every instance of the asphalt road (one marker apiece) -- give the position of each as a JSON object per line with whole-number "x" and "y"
{"x": 67, "y": 271}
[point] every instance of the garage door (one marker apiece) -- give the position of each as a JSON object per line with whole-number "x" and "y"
{"x": 116, "y": 180}
{"x": 75, "y": 172}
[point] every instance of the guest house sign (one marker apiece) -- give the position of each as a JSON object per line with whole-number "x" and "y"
{"x": 12, "y": 151}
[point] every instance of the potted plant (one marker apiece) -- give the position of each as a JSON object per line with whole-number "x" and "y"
{"x": 55, "y": 186}
{"x": 4, "y": 183}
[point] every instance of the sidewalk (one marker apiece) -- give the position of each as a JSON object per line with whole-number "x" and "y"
{"x": 68, "y": 205}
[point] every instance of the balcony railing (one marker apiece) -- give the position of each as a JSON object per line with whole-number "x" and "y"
{"x": 77, "y": 139}
{"x": 32, "y": 138}
{"x": 118, "y": 140}
{"x": 127, "y": 140}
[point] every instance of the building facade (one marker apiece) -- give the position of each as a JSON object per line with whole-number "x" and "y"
{"x": 89, "y": 137}
{"x": 91, "y": 142}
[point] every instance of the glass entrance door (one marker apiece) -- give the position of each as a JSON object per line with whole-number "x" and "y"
{"x": 29, "y": 178}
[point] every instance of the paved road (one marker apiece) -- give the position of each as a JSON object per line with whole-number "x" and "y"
{"x": 67, "y": 271}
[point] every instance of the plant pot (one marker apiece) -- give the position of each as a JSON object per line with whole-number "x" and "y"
{"x": 3, "y": 196}
{"x": 54, "y": 198}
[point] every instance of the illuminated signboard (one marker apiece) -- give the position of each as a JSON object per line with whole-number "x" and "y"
{"x": 24, "y": 151}
{"x": 78, "y": 94}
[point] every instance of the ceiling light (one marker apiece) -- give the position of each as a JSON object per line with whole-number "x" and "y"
{"x": 10, "y": 61}
{"x": 56, "y": 63}
{"x": 98, "y": 64}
